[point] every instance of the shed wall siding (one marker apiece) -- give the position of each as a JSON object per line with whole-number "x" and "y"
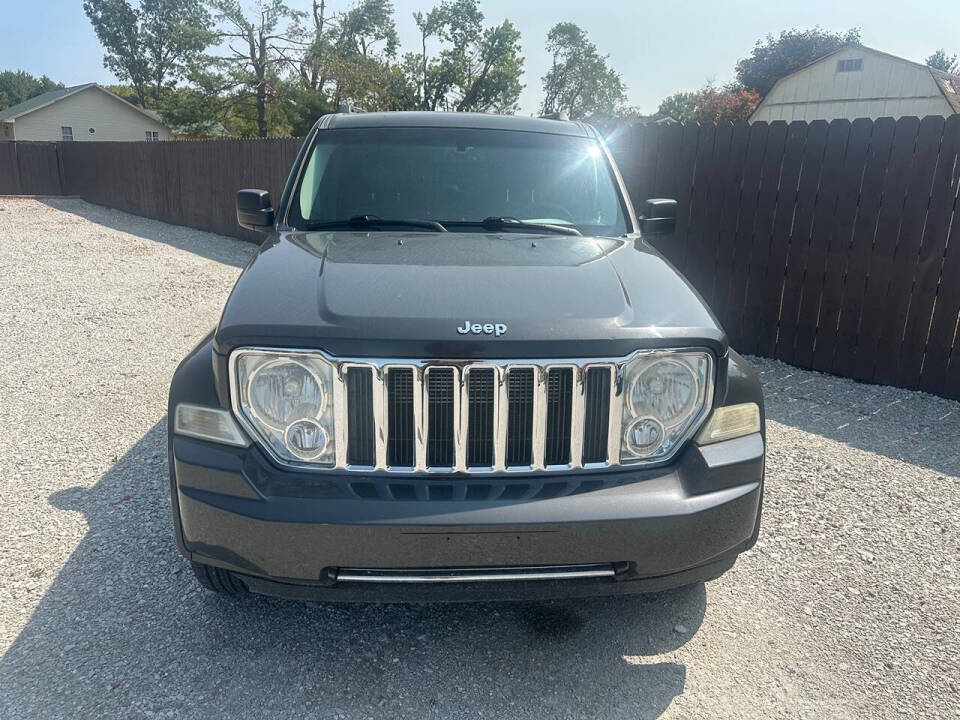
{"x": 886, "y": 86}
{"x": 112, "y": 119}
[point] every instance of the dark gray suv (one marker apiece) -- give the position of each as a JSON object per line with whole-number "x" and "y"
{"x": 455, "y": 369}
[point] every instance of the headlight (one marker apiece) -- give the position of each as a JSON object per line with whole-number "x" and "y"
{"x": 285, "y": 399}
{"x": 667, "y": 396}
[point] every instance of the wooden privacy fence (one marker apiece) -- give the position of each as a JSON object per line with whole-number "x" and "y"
{"x": 30, "y": 168}
{"x": 191, "y": 183}
{"x": 832, "y": 246}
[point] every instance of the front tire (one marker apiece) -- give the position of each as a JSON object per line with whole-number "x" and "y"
{"x": 218, "y": 580}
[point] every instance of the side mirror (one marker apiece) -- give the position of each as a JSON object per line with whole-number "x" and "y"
{"x": 659, "y": 217}
{"x": 254, "y": 210}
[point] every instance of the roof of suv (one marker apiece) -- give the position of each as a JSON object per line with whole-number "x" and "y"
{"x": 458, "y": 120}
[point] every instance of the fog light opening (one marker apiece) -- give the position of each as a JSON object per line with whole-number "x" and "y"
{"x": 644, "y": 436}
{"x": 306, "y": 439}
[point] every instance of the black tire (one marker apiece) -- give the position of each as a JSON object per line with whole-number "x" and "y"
{"x": 218, "y": 580}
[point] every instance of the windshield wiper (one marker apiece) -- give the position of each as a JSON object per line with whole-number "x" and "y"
{"x": 501, "y": 223}
{"x": 373, "y": 221}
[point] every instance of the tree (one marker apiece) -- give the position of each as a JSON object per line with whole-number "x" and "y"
{"x": 150, "y": 46}
{"x": 777, "y": 57}
{"x": 710, "y": 104}
{"x": 302, "y": 106}
{"x": 361, "y": 52}
{"x": 477, "y": 69}
{"x": 681, "y": 106}
{"x": 18, "y": 85}
{"x": 257, "y": 50}
{"x": 941, "y": 61}
{"x": 346, "y": 53}
{"x": 579, "y": 83}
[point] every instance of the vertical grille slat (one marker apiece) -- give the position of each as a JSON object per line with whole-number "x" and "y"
{"x": 520, "y": 384}
{"x": 400, "y": 421}
{"x": 440, "y": 412}
{"x": 559, "y": 407}
{"x": 596, "y": 414}
{"x": 481, "y": 388}
{"x": 360, "y": 430}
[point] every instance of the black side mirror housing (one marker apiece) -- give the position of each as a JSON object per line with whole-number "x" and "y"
{"x": 659, "y": 217}
{"x": 254, "y": 210}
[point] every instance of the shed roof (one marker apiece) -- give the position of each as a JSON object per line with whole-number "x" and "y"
{"x": 948, "y": 83}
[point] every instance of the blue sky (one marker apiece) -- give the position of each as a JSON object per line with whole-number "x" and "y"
{"x": 658, "y": 46}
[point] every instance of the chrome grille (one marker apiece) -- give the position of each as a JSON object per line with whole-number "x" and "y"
{"x": 450, "y": 416}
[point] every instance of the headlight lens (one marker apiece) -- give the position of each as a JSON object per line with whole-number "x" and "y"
{"x": 667, "y": 395}
{"x": 285, "y": 390}
{"x": 284, "y": 398}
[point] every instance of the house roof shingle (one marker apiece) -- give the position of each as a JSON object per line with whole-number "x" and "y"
{"x": 39, "y": 101}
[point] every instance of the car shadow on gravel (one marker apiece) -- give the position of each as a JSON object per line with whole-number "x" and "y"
{"x": 124, "y": 630}
{"x": 218, "y": 248}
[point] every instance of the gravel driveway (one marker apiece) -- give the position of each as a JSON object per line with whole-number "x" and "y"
{"x": 848, "y": 606}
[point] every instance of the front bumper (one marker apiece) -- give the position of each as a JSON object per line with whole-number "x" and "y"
{"x": 289, "y": 534}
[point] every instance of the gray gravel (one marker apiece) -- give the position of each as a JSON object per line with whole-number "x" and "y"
{"x": 848, "y": 607}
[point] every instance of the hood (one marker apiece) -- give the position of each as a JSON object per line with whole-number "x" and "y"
{"x": 412, "y": 295}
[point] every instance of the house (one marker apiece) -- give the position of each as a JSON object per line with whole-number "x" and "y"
{"x": 81, "y": 112}
{"x": 857, "y": 82}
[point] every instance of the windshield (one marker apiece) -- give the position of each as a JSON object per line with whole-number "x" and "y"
{"x": 458, "y": 176}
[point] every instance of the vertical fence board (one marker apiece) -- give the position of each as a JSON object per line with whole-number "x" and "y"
{"x": 772, "y": 291}
{"x": 824, "y": 225}
{"x": 799, "y": 240}
{"x": 907, "y": 250}
{"x": 665, "y": 180}
{"x": 877, "y": 303}
{"x": 732, "y": 178}
{"x": 700, "y": 225}
{"x": 840, "y": 244}
{"x": 712, "y": 211}
{"x": 852, "y": 306}
{"x": 686, "y": 166}
{"x": 9, "y": 169}
{"x": 37, "y": 166}
{"x": 762, "y": 235}
{"x": 937, "y": 289}
{"x": 733, "y": 287}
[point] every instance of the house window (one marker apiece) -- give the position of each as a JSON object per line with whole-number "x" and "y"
{"x": 66, "y": 133}
{"x": 854, "y": 65}
{"x": 152, "y": 135}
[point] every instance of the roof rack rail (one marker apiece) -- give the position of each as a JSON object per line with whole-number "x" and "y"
{"x": 555, "y": 116}
{"x": 348, "y": 107}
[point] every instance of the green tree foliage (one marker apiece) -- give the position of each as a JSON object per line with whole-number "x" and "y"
{"x": 681, "y": 106}
{"x": 776, "y": 57}
{"x": 153, "y": 45}
{"x": 580, "y": 82}
{"x": 17, "y": 86}
{"x": 710, "y": 104}
{"x": 477, "y": 68}
{"x": 257, "y": 47}
{"x": 344, "y": 53}
{"x": 275, "y": 70}
{"x": 302, "y": 106}
{"x": 939, "y": 60}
